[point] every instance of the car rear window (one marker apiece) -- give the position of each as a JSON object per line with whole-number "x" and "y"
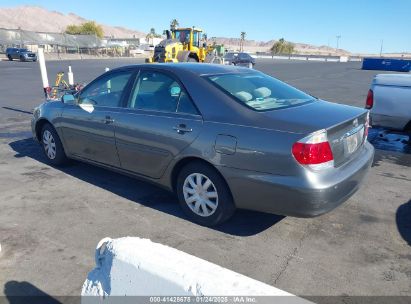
{"x": 259, "y": 91}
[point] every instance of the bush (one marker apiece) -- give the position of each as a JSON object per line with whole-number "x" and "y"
{"x": 87, "y": 28}
{"x": 282, "y": 47}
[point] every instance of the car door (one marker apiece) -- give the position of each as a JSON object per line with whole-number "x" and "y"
{"x": 243, "y": 59}
{"x": 15, "y": 54}
{"x": 88, "y": 126}
{"x": 158, "y": 122}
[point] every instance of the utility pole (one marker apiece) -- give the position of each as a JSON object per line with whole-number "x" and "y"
{"x": 382, "y": 45}
{"x": 338, "y": 40}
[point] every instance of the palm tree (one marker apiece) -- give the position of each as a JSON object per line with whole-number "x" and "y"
{"x": 174, "y": 24}
{"x": 242, "y": 36}
{"x": 151, "y": 35}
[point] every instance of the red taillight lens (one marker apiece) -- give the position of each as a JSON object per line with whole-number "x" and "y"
{"x": 370, "y": 100}
{"x": 312, "y": 154}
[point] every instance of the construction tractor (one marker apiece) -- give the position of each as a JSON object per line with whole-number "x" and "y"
{"x": 184, "y": 45}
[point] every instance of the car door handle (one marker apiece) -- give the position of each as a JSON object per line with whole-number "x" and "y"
{"x": 182, "y": 128}
{"x": 108, "y": 120}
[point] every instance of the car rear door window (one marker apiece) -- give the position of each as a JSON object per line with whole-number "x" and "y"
{"x": 106, "y": 91}
{"x": 157, "y": 91}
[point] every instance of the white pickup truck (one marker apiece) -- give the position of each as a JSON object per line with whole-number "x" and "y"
{"x": 389, "y": 101}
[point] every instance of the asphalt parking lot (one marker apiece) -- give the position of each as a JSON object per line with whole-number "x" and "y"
{"x": 52, "y": 218}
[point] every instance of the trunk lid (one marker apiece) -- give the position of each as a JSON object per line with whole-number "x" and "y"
{"x": 345, "y": 125}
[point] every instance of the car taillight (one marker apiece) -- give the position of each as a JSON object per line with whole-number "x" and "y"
{"x": 314, "y": 151}
{"x": 370, "y": 100}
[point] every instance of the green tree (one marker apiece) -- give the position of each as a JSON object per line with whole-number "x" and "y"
{"x": 282, "y": 47}
{"x": 86, "y": 28}
{"x": 174, "y": 24}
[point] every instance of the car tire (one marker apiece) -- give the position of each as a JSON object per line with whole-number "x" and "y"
{"x": 52, "y": 146}
{"x": 211, "y": 203}
{"x": 10, "y": 58}
{"x": 22, "y": 59}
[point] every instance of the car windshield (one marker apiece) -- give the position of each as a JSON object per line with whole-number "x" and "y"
{"x": 259, "y": 91}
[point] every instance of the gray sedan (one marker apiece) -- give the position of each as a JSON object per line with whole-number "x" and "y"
{"x": 220, "y": 137}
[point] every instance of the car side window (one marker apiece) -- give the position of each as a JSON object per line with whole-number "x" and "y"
{"x": 157, "y": 91}
{"x": 107, "y": 91}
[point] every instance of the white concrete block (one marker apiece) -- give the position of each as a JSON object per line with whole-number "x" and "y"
{"x": 138, "y": 267}
{"x": 343, "y": 59}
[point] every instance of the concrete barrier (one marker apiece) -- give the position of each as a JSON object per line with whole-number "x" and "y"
{"x": 138, "y": 267}
{"x": 343, "y": 59}
{"x": 312, "y": 58}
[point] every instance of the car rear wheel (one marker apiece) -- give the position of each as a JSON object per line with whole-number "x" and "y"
{"x": 52, "y": 146}
{"x": 204, "y": 195}
{"x": 10, "y": 58}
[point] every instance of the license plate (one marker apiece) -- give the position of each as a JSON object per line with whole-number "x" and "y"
{"x": 353, "y": 141}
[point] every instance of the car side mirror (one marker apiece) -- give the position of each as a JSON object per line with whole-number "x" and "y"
{"x": 69, "y": 99}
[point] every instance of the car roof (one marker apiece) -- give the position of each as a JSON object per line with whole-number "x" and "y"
{"x": 195, "y": 68}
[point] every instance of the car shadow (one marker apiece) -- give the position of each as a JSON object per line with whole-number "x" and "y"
{"x": 243, "y": 223}
{"x": 392, "y": 146}
{"x": 24, "y": 292}
{"x": 403, "y": 218}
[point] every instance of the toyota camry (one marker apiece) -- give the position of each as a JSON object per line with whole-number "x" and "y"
{"x": 220, "y": 137}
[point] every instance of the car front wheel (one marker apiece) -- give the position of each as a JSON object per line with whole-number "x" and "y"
{"x": 52, "y": 146}
{"x": 204, "y": 195}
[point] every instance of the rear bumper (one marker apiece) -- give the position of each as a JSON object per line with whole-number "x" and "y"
{"x": 310, "y": 195}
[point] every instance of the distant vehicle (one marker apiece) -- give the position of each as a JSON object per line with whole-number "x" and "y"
{"x": 21, "y": 54}
{"x": 220, "y": 137}
{"x": 136, "y": 51}
{"x": 183, "y": 45}
{"x": 239, "y": 59}
{"x": 389, "y": 101}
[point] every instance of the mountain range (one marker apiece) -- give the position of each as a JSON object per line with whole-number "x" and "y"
{"x": 36, "y": 18}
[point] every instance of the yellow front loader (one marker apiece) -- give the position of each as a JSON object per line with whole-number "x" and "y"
{"x": 184, "y": 45}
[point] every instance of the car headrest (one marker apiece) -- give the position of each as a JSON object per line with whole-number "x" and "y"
{"x": 262, "y": 92}
{"x": 243, "y": 96}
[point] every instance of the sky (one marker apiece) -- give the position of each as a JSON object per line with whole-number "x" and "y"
{"x": 362, "y": 24}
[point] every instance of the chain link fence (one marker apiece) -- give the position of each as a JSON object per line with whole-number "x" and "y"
{"x": 65, "y": 43}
